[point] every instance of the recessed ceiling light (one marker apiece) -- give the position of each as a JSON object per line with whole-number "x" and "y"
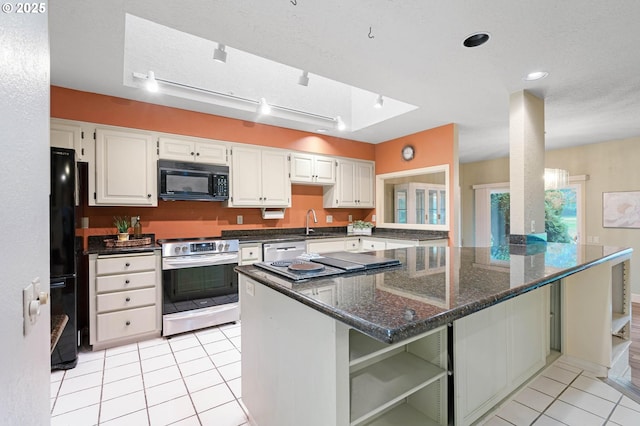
{"x": 536, "y": 75}
{"x": 322, "y": 130}
{"x": 476, "y": 39}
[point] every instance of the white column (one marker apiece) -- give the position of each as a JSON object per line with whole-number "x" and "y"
{"x": 526, "y": 164}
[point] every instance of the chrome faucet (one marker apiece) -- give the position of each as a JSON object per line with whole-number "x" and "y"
{"x": 315, "y": 219}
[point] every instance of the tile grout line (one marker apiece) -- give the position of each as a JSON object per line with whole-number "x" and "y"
{"x": 195, "y": 410}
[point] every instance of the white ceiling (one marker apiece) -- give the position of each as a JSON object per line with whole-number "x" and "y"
{"x": 409, "y": 50}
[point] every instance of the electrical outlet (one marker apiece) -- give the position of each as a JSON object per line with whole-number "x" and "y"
{"x": 350, "y": 218}
{"x": 250, "y": 289}
{"x": 329, "y": 218}
{"x": 373, "y": 218}
{"x": 239, "y": 219}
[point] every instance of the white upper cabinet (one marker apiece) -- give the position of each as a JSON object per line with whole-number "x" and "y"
{"x": 126, "y": 169}
{"x": 354, "y": 185}
{"x": 312, "y": 169}
{"x": 65, "y": 135}
{"x": 192, "y": 149}
{"x": 259, "y": 177}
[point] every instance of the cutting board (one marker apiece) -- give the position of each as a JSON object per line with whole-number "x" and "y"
{"x": 354, "y": 261}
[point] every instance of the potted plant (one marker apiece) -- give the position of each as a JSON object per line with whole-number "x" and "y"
{"x": 122, "y": 224}
{"x": 360, "y": 227}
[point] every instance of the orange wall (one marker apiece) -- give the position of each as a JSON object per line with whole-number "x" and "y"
{"x": 433, "y": 147}
{"x": 191, "y": 219}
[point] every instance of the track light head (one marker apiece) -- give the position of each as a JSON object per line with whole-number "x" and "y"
{"x": 379, "y": 102}
{"x": 303, "y": 80}
{"x": 152, "y": 83}
{"x": 220, "y": 55}
{"x": 263, "y": 107}
{"x": 340, "y": 124}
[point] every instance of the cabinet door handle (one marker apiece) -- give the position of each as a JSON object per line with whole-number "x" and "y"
{"x": 193, "y": 153}
{"x": 128, "y": 323}
{"x": 126, "y": 281}
{"x": 197, "y": 153}
{"x": 250, "y": 253}
{"x": 128, "y": 299}
{"x": 148, "y": 195}
{"x": 127, "y": 265}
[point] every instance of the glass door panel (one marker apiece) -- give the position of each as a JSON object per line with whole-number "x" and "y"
{"x": 401, "y": 206}
{"x": 420, "y": 206}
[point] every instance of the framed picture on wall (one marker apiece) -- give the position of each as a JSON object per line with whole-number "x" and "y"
{"x": 621, "y": 209}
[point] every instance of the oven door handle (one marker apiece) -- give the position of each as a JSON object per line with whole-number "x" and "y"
{"x": 193, "y": 261}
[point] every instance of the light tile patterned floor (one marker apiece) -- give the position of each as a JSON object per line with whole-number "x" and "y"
{"x": 194, "y": 379}
{"x": 566, "y": 395}
{"x": 189, "y": 379}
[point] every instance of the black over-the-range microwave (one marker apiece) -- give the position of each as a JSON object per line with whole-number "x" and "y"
{"x": 192, "y": 181}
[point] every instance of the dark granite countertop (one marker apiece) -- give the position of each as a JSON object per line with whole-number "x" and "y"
{"x": 96, "y": 245}
{"x": 435, "y": 285}
{"x": 298, "y": 234}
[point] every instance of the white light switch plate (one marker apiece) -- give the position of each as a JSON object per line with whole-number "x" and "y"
{"x": 239, "y": 219}
{"x": 329, "y": 218}
{"x": 250, "y": 289}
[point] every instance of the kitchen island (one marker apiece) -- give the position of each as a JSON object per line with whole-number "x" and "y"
{"x": 379, "y": 347}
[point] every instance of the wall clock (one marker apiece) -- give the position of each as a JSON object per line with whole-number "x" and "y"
{"x": 408, "y": 152}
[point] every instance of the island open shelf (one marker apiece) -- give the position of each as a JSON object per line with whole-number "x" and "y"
{"x": 398, "y": 381}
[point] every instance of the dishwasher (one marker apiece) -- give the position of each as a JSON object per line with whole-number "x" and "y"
{"x": 282, "y": 251}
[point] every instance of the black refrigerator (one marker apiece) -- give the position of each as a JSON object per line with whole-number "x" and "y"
{"x": 62, "y": 229}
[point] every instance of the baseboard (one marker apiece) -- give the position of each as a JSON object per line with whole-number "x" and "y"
{"x": 635, "y": 298}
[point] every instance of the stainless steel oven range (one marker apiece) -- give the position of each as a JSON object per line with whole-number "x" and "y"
{"x": 200, "y": 287}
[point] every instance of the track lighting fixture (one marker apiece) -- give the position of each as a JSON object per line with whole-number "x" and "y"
{"x": 220, "y": 55}
{"x": 152, "y": 83}
{"x": 263, "y": 107}
{"x": 379, "y": 102}
{"x": 303, "y": 80}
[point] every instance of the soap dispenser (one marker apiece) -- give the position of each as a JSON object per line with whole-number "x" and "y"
{"x": 137, "y": 228}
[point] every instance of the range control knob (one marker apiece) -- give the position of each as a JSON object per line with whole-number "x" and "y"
{"x": 185, "y": 249}
{"x": 226, "y": 246}
{"x": 220, "y": 247}
{"x": 177, "y": 250}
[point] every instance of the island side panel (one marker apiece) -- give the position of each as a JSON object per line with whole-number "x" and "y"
{"x": 496, "y": 350}
{"x": 295, "y": 361}
{"x": 588, "y": 307}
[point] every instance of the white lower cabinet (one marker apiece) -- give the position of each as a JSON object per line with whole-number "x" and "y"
{"x": 496, "y": 350}
{"x": 125, "y": 298}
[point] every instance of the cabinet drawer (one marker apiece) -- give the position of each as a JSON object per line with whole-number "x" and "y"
{"x": 119, "y": 264}
{"x": 126, "y": 299}
{"x": 126, "y": 323}
{"x": 125, "y": 281}
{"x": 250, "y": 254}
